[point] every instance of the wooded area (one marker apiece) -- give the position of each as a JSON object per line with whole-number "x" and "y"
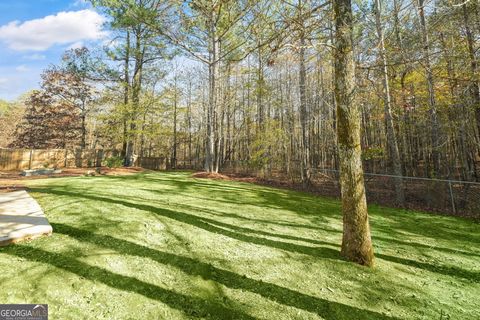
{"x": 269, "y": 66}
{"x": 279, "y": 86}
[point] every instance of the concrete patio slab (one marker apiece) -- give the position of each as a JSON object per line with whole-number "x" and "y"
{"x": 21, "y": 218}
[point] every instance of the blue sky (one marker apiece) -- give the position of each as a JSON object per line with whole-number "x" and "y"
{"x": 35, "y": 33}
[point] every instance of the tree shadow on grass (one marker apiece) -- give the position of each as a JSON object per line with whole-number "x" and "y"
{"x": 427, "y": 225}
{"x": 442, "y": 269}
{"x": 329, "y": 310}
{"x": 250, "y": 230}
{"x": 265, "y": 233}
{"x": 203, "y": 223}
{"x": 227, "y": 192}
{"x": 279, "y": 201}
{"x": 392, "y": 239}
{"x": 237, "y": 216}
{"x": 192, "y": 306}
{"x": 276, "y": 198}
{"x": 417, "y": 224}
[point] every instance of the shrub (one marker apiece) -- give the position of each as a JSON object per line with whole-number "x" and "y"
{"x": 114, "y": 162}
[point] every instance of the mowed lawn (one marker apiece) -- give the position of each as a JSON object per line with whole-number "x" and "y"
{"x": 168, "y": 246}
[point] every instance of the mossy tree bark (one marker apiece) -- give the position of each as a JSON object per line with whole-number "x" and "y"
{"x": 356, "y": 242}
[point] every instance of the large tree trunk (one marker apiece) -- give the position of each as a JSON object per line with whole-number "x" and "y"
{"x": 356, "y": 242}
{"x": 392, "y": 143}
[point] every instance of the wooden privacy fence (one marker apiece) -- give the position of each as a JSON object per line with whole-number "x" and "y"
{"x": 22, "y": 159}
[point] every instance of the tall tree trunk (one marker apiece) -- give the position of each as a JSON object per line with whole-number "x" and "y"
{"x": 142, "y": 136}
{"x": 475, "y": 88}
{"x": 83, "y": 141}
{"x": 212, "y": 69}
{"x": 126, "y": 84}
{"x": 174, "y": 151}
{"x": 356, "y": 242}
{"x": 431, "y": 90}
{"x": 405, "y": 128}
{"x": 392, "y": 143}
{"x": 335, "y": 161}
{"x": 189, "y": 123}
{"x": 260, "y": 85}
{"x": 136, "y": 90}
{"x": 304, "y": 117}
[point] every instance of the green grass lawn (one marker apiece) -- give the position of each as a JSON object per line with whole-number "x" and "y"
{"x": 167, "y": 246}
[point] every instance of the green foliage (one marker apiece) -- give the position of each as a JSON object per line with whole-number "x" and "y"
{"x": 266, "y": 144}
{"x": 114, "y": 162}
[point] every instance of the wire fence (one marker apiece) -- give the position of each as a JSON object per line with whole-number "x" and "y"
{"x": 450, "y": 196}
{"x": 453, "y": 197}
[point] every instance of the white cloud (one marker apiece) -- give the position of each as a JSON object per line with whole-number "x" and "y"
{"x": 3, "y": 81}
{"x": 22, "y": 68}
{"x": 35, "y": 57}
{"x": 62, "y": 28}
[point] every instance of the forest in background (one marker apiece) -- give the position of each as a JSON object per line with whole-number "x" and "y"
{"x": 252, "y": 82}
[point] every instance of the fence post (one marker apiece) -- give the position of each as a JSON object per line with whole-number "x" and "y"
{"x": 452, "y": 200}
{"x": 30, "y": 160}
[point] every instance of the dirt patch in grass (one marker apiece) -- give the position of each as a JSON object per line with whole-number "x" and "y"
{"x": 210, "y": 175}
{"x": 228, "y": 177}
{"x": 13, "y": 180}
